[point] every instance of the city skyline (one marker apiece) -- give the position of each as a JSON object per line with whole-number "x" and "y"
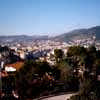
{"x": 47, "y": 17}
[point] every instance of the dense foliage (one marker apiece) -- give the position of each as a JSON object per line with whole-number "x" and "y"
{"x": 90, "y": 85}
{"x": 76, "y": 71}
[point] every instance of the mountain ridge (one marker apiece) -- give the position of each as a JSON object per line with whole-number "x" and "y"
{"x": 79, "y": 34}
{"x": 74, "y": 34}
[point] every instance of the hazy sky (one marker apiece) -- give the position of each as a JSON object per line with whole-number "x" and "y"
{"x": 36, "y": 17}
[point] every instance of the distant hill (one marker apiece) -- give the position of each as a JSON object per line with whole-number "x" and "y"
{"x": 79, "y": 34}
{"x": 72, "y": 35}
{"x": 22, "y": 38}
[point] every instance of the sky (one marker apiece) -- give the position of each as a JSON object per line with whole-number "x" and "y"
{"x": 47, "y": 17}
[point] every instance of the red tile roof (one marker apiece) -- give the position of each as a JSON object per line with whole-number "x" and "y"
{"x": 16, "y": 65}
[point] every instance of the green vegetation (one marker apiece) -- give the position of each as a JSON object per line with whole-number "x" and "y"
{"x": 89, "y": 86}
{"x": 28, "y": 79}
{"x": 39, "y": 78}
{"x": 76, "y": 71}
{"x": 58, "y": 55}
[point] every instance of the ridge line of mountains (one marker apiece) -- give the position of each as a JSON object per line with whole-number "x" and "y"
{"x": 80, "y": 34}
{"x": 72, "y": 35}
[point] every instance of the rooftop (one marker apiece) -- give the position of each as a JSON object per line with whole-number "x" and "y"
{"x": 16, "y": 65}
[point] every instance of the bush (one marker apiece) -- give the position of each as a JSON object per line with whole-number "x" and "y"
{"x": 85, "y": 87}
{"x": 78, "y": 97}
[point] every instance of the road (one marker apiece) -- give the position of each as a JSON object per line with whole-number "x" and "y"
{"x": 60, "y": 97}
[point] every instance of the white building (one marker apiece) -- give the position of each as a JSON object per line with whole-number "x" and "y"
{"x": 10, "y": 69}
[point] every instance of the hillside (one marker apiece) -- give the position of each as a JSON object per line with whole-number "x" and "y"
{"x": 72, "y": 35}
{"x": 22, "y": 38}
{"x": 79, "y": 34}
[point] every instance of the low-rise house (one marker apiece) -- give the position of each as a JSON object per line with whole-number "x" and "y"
{"x": 14, "y": 66}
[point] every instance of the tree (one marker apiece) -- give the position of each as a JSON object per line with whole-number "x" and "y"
{"x": 58, "y": 55}
{"x": 30, "y": 81}
{"x": 76, "y": 51}
{"x": 65, "y": 70}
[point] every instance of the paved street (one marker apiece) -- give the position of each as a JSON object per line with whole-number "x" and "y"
{"x": 61, "y": 97}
